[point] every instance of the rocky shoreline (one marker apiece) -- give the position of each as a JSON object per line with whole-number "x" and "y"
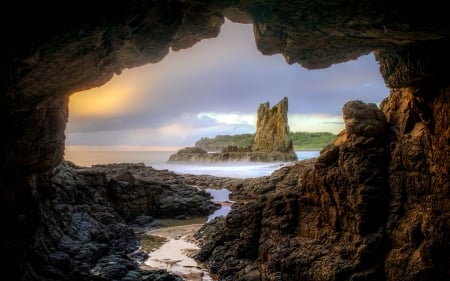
{"x": 90, "y": 216}
{"x": 98, "y": 238}
{"x": 94, "y": 217}
{"x": 375, "y": 205}
{"x": 335, "y": 217}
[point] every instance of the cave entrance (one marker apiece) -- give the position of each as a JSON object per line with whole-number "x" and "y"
{"x": 213, "y": 88}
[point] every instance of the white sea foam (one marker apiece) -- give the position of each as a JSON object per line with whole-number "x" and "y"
{"x": 158, "y": 160}
{"x": 238, "y": 169}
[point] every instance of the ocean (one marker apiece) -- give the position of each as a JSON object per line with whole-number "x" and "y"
{"x": 158, "y": 160}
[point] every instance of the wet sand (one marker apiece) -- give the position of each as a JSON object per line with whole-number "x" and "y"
{"x": 175, "y": 255}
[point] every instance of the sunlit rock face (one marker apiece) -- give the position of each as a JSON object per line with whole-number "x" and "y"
{"x": 419, "y": 174}
{"x": 271, "y": 143}
{"x": 372, "y": 206}
{"x": 80, "y": 45}
{"x": 272, "y": 129}
{"x": 320, "y": 219}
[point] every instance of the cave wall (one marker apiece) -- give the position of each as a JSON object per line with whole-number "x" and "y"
{"x": 418, "y": 219}
{"x": 373, "y": 206}
{"x": 81, "y": 45}
{"x": 75, "y": 51}
{"x": 417, "y": 111}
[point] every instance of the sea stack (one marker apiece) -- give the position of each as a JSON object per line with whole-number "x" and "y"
{"x": 271, "y": 143}
{"x": 272, "y": 129}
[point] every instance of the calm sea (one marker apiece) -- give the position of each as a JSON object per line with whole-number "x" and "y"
{"x": 158, "y": 160}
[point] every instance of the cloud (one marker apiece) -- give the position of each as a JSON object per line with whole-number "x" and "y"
{"x": 213, "y": 88}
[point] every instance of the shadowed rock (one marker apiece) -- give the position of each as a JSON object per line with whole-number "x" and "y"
{"x": 81, "y": 45}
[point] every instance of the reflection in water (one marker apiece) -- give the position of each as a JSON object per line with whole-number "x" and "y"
{"x": 221, "y": 196}
{"x": 222, "y": 212}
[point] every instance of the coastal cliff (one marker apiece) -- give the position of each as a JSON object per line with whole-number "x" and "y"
{"x": 271, "y": 142}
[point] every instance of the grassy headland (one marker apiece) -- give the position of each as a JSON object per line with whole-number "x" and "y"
{"x": 300, "y": 140}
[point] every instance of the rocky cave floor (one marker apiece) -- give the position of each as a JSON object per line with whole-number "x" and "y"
{"x": 94, "y": 216}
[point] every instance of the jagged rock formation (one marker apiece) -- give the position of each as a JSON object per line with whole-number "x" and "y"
{"x": 272, "y": 129}
{"x": 91, "y": 210}
{"x": 271, "y": 142}
{"x": 44, "y": 61}
{"x": 134, "y": 189}
{"x": 338, "y": 217}
{"x": 82, "y": 227}
{"x": 328, "y": 214}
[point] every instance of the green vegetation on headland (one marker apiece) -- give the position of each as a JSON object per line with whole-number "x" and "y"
{"x": 311, "y": 140}
{"x": 221, "y": 141}
{"x": 300, "y": 140}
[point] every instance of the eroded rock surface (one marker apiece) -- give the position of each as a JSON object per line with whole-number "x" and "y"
{"x": 44, "y": 61}
{"x": 319, "y": 219}
{"x": 350, "y": 214}
{"x": 272, "y": 129}
{"x": 86, "y": 216}
{"x": 135, "y": 189}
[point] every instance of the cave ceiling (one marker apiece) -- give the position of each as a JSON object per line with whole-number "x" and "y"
{"x": 61, "y": 48}
{"x": 53, "y": 49}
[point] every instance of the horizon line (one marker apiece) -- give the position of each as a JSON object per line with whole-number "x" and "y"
{"x": 122, "y": 148}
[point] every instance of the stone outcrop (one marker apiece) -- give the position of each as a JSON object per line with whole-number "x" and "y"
{"x": 87, "y": 214}
{"x": 134, "y": 189}
{"x": 272, "y": 129}
{"x": 190, "y": 154}
{"x": 44, "y": 61}
{"x": 338, "y": 217}
{"x": 328, "y": 214}
{"x": 271, "y": 142}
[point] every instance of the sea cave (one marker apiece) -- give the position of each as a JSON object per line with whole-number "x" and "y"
{"x": 373, "y": 206}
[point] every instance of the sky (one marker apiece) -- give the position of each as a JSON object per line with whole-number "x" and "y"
{"x": 215, "y": 88}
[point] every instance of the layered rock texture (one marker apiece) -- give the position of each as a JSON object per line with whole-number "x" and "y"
{"x": 272, "y": 128}
{"x": 271, "y": 142}
{"x": 374, "y": 206}
{"x": 320, "y": 219}
{"x": 85, "y": 220}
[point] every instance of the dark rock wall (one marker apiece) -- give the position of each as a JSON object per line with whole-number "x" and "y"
{"x": 373, "y": 206}
{"x": 318, "y": 220}
{"x": 419, "y": 167}
{"x": 419, "y": 180}
{"x": 44, "y": 61}
{"x": 78, "y": 224}
{"x": 73, "y": 227}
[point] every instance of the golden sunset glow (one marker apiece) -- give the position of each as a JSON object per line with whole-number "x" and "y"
{"x": 214, "y": 88}
{"x": 70, "y": 148}
{"x": 106, "y": 100}
{"x": 174, "y": 129}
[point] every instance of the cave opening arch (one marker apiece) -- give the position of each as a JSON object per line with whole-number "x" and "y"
{"x": 213, "y": 88}
{"x": 68, "y": 53}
